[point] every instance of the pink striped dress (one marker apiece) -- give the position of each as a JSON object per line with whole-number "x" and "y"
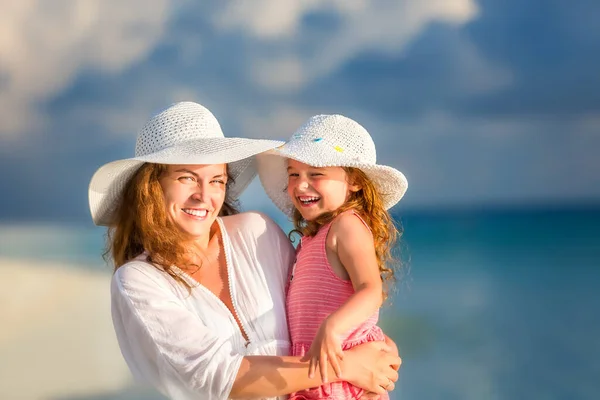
{"x": 314, "y": 292}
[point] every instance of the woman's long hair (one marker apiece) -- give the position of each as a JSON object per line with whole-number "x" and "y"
{"x": 141, "y": 224}
{"x": 367, "y": 202}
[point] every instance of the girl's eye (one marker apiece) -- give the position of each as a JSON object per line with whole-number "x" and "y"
{"x": 293, "y": 175}
{"x": 316, "y": 174}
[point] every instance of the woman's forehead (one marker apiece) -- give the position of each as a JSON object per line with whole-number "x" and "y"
{"x": 199, "y": 169}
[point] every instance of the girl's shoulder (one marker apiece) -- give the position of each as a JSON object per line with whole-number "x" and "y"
{"x": 348, "y": 223}
{"x": 350, "y": 219}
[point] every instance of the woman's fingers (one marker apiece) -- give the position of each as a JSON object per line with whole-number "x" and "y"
{"x": 369, "y": 396}
{"x": 391, "y": 374}
{"x": 378, "y": 390}
{"x": 386, "y": 381}
{"x": 393, "y": 348}
{"x": 370, "y": 367}
{"x": 393, "y": 361}
{"x": 383, "y": 346}
{"x": 388, "y": 385}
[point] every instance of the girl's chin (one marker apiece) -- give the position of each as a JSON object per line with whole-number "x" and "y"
{"x": 310, "y": 216}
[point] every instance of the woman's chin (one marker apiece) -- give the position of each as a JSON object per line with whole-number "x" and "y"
{"x": 197, "y": 229}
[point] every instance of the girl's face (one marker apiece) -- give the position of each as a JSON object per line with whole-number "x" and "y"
{"x": 194, "y": 195}
{"x": 317, "y": 190}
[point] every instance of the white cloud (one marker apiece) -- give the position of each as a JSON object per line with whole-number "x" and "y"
{"x": 362, "y": 26}
{"x": 476, "y": 75}
{"x": 44, "y": 46}
{"x": 278, "y": 123}
{"x": 285, "y": 73}
{"x": 264, "y": 19}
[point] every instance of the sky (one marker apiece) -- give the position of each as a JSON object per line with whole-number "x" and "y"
{"x": 492, "y": 103}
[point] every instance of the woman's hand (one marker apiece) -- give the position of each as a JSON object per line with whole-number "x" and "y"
{"x": 371, "y": 366}
{"x": 393, "y": 347}
{"x": 325, "y": 348}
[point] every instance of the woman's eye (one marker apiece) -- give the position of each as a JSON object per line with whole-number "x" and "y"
{"x": 218, "y": 181}
{"x": 186, "y": 179}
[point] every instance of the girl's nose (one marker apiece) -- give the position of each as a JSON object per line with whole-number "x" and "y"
{"x": 302, "y": 184}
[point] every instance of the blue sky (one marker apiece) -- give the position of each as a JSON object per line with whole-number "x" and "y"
{"x": 489, "y": 103}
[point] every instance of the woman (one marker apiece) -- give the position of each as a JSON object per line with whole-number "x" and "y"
{"x": 198, "y": 291}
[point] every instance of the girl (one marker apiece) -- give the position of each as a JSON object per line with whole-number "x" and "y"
{"x": 338, "y": 198}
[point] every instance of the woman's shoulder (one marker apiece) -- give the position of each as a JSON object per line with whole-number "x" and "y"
{"x": 252, "y": 222}
{"x": 257, "y": 232}
{"x": 136, "y": 272}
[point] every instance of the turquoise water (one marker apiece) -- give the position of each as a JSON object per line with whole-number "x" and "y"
{"x": 496, "y": 305}
{"x": 499, "y": 306}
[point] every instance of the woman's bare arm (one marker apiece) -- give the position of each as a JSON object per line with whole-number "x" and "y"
{"x": 269, "y": 376}
{"x": 370, "y": 366}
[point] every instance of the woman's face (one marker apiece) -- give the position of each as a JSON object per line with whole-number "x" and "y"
{"x": 194, "y": 195}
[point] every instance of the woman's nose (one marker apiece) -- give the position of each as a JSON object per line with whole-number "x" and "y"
{"x": 198, "y": 193}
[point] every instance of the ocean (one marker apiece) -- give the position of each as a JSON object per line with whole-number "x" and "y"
{"x": 499, "y": 305}
{"x": 490, "y": 305}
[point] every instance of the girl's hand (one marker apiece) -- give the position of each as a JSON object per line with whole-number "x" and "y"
{"x": 372, "y": 367}
{"x": 325, "y": 348}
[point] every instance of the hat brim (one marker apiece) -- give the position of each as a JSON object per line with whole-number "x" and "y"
{"x": 108, "y": 182}
{"x": 272, "y": 172}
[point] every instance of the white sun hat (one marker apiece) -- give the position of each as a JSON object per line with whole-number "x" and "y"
{"x": 185, "y": 133}
{"x": 328, "y": 141}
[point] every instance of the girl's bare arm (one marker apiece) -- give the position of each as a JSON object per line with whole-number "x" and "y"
{"x": 356, "y": 252}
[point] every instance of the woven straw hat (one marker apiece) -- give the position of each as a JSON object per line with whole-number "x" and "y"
{"x": 328, "y": 141}
{"x": 185, "y": 133}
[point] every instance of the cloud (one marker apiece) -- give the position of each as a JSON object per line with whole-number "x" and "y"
{"x": 466, "y": 99}
{"x": 278, "y": 123}
{"x": 552, "y": 52}
{"x": 455, "y": 160}
{"x": 275, "y": 20}
{"x": 442, "y": 69}
{"x": 285, "y": 28}
{"x": 285, "y": 73}
{"x": 44, "y": 46}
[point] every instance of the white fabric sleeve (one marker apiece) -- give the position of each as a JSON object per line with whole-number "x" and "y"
{"x": 282, "y": 246}
{"x": 166, "y": 345}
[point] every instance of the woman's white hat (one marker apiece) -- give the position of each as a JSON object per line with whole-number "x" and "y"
{"x": 185, "y": 133}
{"x": 328, "y": 141}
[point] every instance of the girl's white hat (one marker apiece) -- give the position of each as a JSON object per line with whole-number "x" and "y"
{"x": 328, "y": 141}
{"x": 185, "y": 133}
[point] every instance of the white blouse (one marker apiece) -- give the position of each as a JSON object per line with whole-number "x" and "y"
{"x": 188, "y": 345}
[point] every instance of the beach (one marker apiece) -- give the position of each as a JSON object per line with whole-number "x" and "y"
{"x": 56, "y": 339}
